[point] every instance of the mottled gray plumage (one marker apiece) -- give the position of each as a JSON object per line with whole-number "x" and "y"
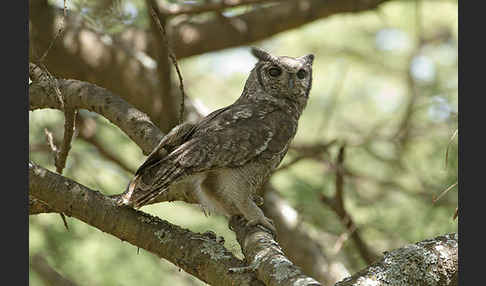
{"x": 228, "y": 155}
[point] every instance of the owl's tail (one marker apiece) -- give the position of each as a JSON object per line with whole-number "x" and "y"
{"x": 150, "y": 182}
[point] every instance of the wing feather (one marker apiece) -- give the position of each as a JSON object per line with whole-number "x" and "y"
{"x": 229, "y": 137}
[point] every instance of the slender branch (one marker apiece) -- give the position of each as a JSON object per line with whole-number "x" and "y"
{"x": 156, "y": 18}
{"x": 168, "y": 99}
{"x": 69, "y": 125}
{"x": 200, "y": 255}
{"x": 337, "y": 205}
{"x": 338, "y": 197}
{"x": 305, "y": 152}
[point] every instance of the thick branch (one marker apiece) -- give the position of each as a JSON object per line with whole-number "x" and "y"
{"x": 198, "y": 254}
{"x": 117, "y": 62}
{"x": 218, "y": 33}
{"x": 302, "y": 249}
{"x": 429, "y": 262}
{"x": 266, "y": 257}
{"x": 82, "y": 95}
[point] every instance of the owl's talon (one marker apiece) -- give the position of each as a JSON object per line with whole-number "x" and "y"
{"x": 258, "y": 200}
{"x": 266, "y": 223}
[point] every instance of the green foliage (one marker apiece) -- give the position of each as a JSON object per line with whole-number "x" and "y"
{"x": 366, "y": 69}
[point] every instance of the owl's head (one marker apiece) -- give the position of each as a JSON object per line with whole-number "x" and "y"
{"x": 283, "y": 77}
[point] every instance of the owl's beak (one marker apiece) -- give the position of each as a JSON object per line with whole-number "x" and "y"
{"x": 291, "y": 81}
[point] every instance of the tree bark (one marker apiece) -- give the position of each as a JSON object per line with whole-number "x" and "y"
{"x": 432, "y": 262}
{"x": 200, "y": 255}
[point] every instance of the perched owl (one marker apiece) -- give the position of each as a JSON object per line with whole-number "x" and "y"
{"x": 227, "y": 156}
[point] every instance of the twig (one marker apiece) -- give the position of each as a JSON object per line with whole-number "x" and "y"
{"x": 305, "y": 152}
{"x": 340, "y": 178}
{"x": 50, "y": 141}
{"x": 448, "y": 145}
{"x": 455, "y": 214}
{"x": 444, "y": 192}
{"x": 69, "y": 125}
{"x": 41, "y": 61}
{"x": 337, "y": 205}
{"x": 153, "y": 12}
{"x": 341, "y": 239}
{"x": 60, "y": 155}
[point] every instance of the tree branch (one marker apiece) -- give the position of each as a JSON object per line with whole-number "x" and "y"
{"x": 266, "y": 257}
{"x": 429, "y": 262}
{"x": 82, "y": 95}
{"x": 337, "y": 205}
{"x": 115, "y": 62}
{"x": 302, "y": 249}
{"x": 198, "y": 254}
{"x": 218, "y": 33}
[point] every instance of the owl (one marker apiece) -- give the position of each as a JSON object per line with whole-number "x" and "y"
{"x": 226, "y": 157}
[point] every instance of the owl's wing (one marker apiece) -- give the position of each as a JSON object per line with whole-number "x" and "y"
{"x": 142, "y": 182}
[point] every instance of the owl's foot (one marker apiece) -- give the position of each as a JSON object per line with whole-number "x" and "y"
{"x": 258, "y": 200}
{"x": 266, "y": 223}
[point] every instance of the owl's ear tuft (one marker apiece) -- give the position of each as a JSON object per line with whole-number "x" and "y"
{"x": 261, "y": 54}
{"x": 308, "y": 59}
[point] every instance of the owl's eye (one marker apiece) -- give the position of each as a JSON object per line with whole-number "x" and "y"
{"x": 301, "y": 74}
{"x": 275, "y": 71}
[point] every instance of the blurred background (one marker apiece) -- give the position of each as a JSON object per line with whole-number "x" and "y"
{"x": 383, "y": 110}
